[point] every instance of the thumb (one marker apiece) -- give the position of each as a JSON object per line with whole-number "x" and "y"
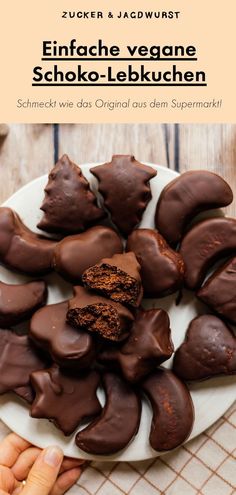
{"x": 44, "y": 472}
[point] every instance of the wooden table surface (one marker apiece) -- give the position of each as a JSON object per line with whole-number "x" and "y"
{"x": 207, "y": 464}
{"x": 30, "y": 150}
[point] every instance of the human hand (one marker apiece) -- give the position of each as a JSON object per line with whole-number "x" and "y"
{"x": 45, "y": 471}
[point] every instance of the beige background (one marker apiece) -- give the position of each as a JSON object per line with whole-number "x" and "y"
{"x": 206, "y": 465}
{"x": 208, "y": 24}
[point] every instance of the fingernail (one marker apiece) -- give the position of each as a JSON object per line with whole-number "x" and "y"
{"x": 53, "y": 456}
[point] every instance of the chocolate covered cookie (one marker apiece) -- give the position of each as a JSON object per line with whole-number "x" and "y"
{"x": 124, "y": 185}
{"x": 209, "y": 350}
{"x": 118, "y": 422}
{"x": 69, "y": 347}
{"x": 63, "y": 398}
{"x": 18, "y": 359}
{"x": 74, "y": 254}
{"x": 18, "y": 302}
{"x": 219, "y": 291}
{"x": 162, "y": 269}
{"x": 186, "y": 196}
{"x": 20, "y": 248}
{"x": 205, "y": 243}
{"x": 173, "y": 413}
{"x": 69, "y": 205}
{"x": 118, "y": 278}
{"x": 108, "y": 319}
{"x": 148, "y": 345}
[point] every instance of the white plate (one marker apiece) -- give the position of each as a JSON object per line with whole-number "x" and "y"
{"x": 211, "y": 398}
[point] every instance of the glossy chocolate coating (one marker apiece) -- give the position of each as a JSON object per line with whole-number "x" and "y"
{"x": 18, "y": 302}
{"x": 69, "y": 205}
{"x": 219, "y": 291}
{"x": 94, "y": 313}
{"x": 185, "y": 197}
{"x": 26, "y": 393}
{"x": 69, "y": 347}
{"x": 209, "y": 350}
{"x": 63, "y": 398}
{"x": 18, "y": 359}
{"x": 173, "y": 413}
{"x": 74, "y": 254}
{"x": 20, "y": 248}
{"x": 124, "y": 185}
{"x": 148, "y": 345}
{"x": 118, "y": 422}
{"x": 162, "y": 269}
{"x": 118, "y": 278}
{"x": 204, "y": 244}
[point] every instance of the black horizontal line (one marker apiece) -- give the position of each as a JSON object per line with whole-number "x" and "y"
{"x": 119, "y": 84}
{"x": 93, "y": 59}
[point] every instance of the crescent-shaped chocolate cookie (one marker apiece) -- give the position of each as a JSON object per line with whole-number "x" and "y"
{"x": 18, "y": 302}
{"x": 118, "y": 422}
{"x": 124, "y": 185}
{"x": 69, "y": 205}
{"x": 69, "y": 347}
{"x": 204, "y": 244}
{"x": 63, "y": 398}
{"x": 162, "y": 269}
{"x": 209, "y": 350}
{"x": 148, "y": 345}
{"x": 74, "y": 254}
{"x": 173, "y": 412}
{"x": 186, "y": 196}
{"x": 20, "y": 248}
{"x": 108, "y": 319}
{"x": 118, "y": 278}
{"x": 219, "y": 291}
{"x": 18, "y": 359}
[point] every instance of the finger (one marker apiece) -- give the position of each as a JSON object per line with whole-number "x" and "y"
{"x": 44, "y": 472}
{"x": 10, "y": 449}
{"x": 70, "y": 463}
{"x": 7, "y": 480}
{"x": 25, "y": 462}
{"x": 66, "y": 481}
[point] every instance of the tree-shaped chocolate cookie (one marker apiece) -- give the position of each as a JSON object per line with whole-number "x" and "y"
{"x": 124, "y": 185}
{"x": 69, "y": 205}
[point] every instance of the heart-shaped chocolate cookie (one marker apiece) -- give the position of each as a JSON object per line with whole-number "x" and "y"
{"x": 162, "y": 269}
{"x": 209, "y": 350}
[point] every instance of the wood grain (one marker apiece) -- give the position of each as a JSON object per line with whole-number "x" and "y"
{"x": 28, "y": 150}
{"x": 98, "y": 142}
{"x": 211, "y": 147}
{"x": 25, "y": 153}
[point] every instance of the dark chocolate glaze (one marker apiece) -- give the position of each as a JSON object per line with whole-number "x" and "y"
{"x": 88, "y": 311}
{"x": 219, "y": 291}
{"x": 18, "y": 358}
{"x": 18, "y": 302}
{"x": 186, "y": 196}
{"x": 20, "y": 248}
{"x": 162, "y": 269}
{"x": 204, "y": 244}
{"x": 63, "y": 398}
{"x": 118, "y": 278}
{"x": 209, "y": 350}
{"x": 69, "y": 205}
{"x": 118, "y": 422}
{"x": 74, "y": 254}
{"x": 26, "y": 393}
{"x": 148, "y": 345}
{"x": 69, "y": 347}
{"x": 173, "y": 413}
{"x": 124, "y": 185}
